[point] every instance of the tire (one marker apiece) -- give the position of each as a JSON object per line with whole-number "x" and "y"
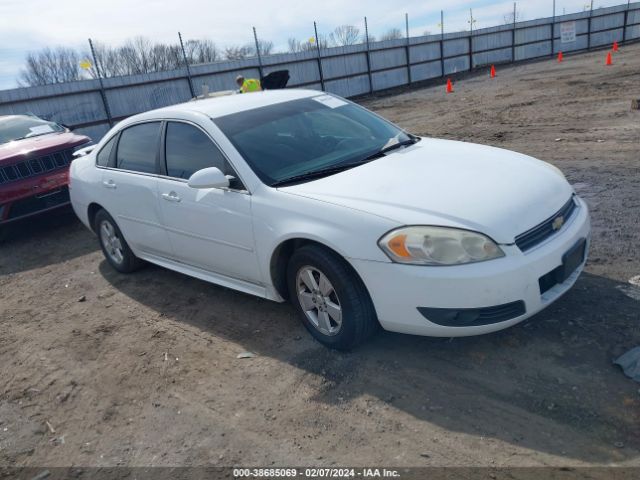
{"x": 318, "y": 310}
{"x": 124, "y": 261}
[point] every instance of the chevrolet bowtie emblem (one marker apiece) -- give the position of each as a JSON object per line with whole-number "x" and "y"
{"x": 557, "y": 223}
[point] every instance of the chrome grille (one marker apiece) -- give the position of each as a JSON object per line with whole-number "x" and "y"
{"x": 538, "y": 234}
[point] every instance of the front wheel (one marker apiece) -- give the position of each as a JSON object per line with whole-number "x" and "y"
{"x": 332, "y": 301}
{"x": 114, "y": 246}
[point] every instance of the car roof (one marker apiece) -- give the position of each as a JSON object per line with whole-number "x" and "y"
{"x": 228, "y": 104}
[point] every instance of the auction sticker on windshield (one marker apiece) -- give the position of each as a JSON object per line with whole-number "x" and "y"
{"x": 330, "y": 101}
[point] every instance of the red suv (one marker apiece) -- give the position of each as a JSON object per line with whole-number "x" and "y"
{"x": 34, "y": 165}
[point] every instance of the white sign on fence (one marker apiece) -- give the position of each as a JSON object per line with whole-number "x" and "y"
{"x": 567, "y": 32}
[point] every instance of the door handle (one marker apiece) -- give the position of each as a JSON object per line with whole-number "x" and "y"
{"x": 109, "y": 184}
{"x": 171, "y": 197}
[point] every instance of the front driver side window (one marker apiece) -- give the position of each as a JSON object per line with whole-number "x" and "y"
{"x": 188, "y": 149}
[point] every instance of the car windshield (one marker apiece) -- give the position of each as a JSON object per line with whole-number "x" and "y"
{"x": 297, "y": 139}
{"x": 19, "y": 127}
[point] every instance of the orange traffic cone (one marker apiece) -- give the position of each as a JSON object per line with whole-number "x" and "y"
{"x": 449, "y": 86}
{"x": 493, "y": 71}
{"x": 609, "y": 61}
{"x": 560, "y": 57}
{"x": 615, "y": 46}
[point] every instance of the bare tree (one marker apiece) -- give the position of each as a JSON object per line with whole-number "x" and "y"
{"x": 392, "y": 34}
{"x": 57, "y": 65}
{"x": 202, "y": 51}
{"x": 265, "y": 46}
{"x": 296, "y": 45}
{"x": 345, "y": 35}
{"x": 236, "y": 52}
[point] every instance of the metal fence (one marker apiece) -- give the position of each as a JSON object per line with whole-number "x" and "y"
{"x": 91, "y": 106}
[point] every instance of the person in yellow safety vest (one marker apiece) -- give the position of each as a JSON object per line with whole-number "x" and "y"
{"x": 248, "y": 85}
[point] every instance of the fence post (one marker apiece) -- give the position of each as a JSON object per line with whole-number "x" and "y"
{"x": 186, "y": 63}
{"x": 442, "y": 42}
{"x": 366, "y": 34}
{"x": 315, "y": 30}
{"x": 105, "y": 103}
{"x": 408, "y": 48}
{"x": 626, "y": 19}
{"x": 589, "y": 27}
{"x": 553, "y": 28}
{"x": 513, "y": 35}
{"x": 260, "y": 69}
{"x": 471, "y": 20}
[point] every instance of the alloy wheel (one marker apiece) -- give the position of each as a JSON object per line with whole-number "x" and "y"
{"x": 319, "y": 300}
{"x": 111, "y": 242}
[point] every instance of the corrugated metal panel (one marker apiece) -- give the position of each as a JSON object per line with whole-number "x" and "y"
{"x": 456, "y": 47}
{"x": 388, "y": 58}
{"x": 389, "y": 79}
{"x": 349, "y": 87}
{"x": 492, "y": 40}
{"x": 344, "y": 65}
{"x": 533, "y": 50}
{"x": 426, "y": 71}
{"x": 127, "y": 101}
{"x": 610, "y": 21}
{"x": 606, "y": 38}
{"x": 70, "y": 110}
{"x": 533, "y": 34}
{"x": 455, "y": 65}
{"x": 494, "y": 56}
{"x": 423, "y": 53}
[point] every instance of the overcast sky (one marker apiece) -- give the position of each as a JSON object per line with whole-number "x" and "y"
{"x": 28, "y": 25}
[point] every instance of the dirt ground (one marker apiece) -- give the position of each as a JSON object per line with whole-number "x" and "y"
{"x": 103, "y": 369}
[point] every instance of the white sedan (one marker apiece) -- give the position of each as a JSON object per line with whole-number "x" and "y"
{"x": 304, "y": 196}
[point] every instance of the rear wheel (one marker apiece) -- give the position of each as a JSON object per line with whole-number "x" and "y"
{"x": 114, "y": 246}
{"x": 332, "y": 301}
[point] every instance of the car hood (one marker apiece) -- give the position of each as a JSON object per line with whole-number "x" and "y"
{"x": 441, "y": 182}
{"x": 41, "y": 145}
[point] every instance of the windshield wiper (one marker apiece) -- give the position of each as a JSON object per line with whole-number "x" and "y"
{"x": 384, "y": 150}
{"x": 323, "y": 172}
{"x": 345, "y": 166}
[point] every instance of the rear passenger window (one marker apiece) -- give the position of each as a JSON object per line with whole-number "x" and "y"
{"x": 103, "y": 155}
{"x": 189, "y": 149}
{"x": 138, "y": 147}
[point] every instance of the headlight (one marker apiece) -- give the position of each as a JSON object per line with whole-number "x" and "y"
{"x": 438, "y": 246}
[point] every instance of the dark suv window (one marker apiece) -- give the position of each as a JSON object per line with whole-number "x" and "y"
{"x": 103, "y": 155}
{"x": 189, "y": 149}
{"x": 138, "y": 147}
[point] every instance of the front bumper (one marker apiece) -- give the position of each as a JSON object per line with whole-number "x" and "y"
{"x": 399, "y": 290}
{"x": 33, "y": 196}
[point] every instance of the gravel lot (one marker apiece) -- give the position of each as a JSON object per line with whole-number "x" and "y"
{"x": 102, "y": 369}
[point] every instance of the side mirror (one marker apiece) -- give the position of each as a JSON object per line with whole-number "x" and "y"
{"x": 210, "y": 177}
